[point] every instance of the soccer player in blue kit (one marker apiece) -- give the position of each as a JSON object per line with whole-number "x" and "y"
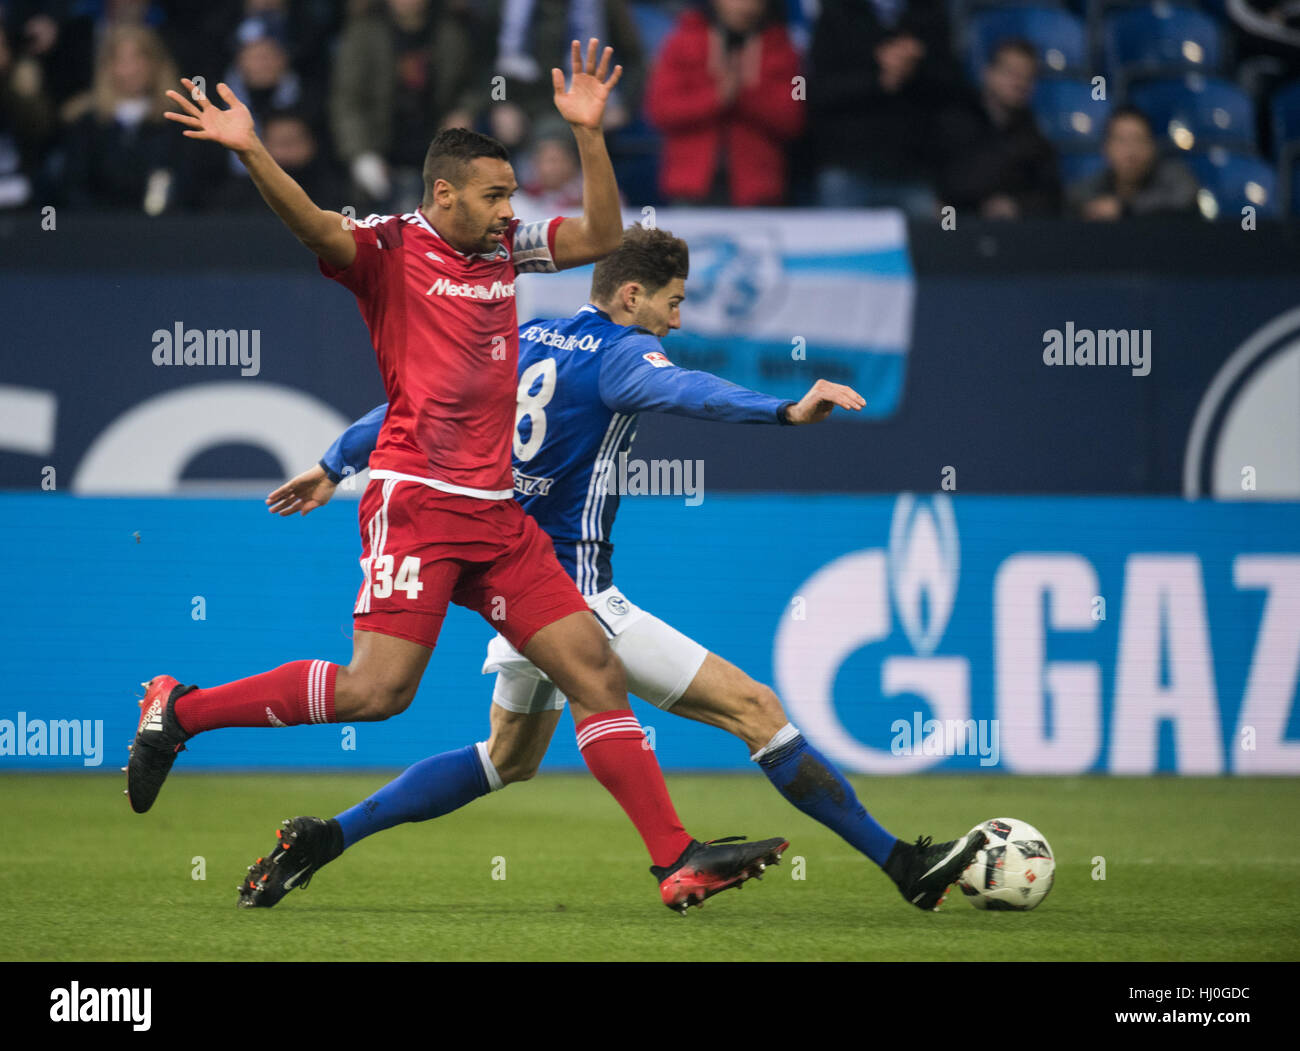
{"x": 582, "y": 382}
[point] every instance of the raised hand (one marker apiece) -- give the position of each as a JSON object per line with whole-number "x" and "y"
{"x": 583, "y": 104}
{"x": 232, "y": 128}
{"x": 824, "y": 395}
{"x": 310, "y": 490}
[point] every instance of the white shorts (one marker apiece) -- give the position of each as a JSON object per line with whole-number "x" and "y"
{"x": 660, "y": 660}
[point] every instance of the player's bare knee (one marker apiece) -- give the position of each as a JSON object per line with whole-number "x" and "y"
{"x": 600, "y": 683}
{"x": 760, "y": 711}
{"x": 611, "y": 674}
{"x": 511, "y": 762}
{"x": 602, "y": 693}
{"x": 513, "y": 770}
{"x": 382, "y": 700}
{"x": 394, "y": 700}
{"x": 767, "y": 704}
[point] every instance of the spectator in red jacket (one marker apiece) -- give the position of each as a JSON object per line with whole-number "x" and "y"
{"x": 723, "y": 93}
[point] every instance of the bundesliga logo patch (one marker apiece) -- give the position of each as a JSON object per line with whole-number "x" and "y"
{"x": 657, "y": 359}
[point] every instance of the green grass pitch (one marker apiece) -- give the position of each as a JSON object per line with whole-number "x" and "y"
{"x": 1195, "y": 869}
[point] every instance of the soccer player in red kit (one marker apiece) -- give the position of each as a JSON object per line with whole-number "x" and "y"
{"x": 439, "y": 522}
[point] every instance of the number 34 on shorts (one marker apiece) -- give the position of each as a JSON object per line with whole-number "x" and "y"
{"x": 406, "y": 579}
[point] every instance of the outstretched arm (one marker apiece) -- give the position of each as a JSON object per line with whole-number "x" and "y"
{"x": 348, "y": 455}
{"x": 327, "y": 234}
{"x": 600, "y": 229}
{"x": 351, "y": 450}
{"x": 821, "y": 400}
{"x": 308, "y": 491}
{"x": 638, "y": 377}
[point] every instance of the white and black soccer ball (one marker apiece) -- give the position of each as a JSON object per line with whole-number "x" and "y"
{"x": 1013, "y": 871}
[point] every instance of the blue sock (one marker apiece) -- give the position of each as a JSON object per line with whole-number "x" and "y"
{"x": 429, "y": 789}
{"x": 803, "y": 775}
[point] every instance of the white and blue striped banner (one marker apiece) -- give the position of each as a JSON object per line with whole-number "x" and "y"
{"x": 777, "y": 300}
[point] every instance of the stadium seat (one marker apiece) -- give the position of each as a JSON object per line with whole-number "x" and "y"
{"x": 1288, "y": 179}
{"x": 960, "y": 13}
{"x": 634, "y": 151}
{"x": 1058, "y": 35}
{"x": 1234, "y": 181}
{"x": 1197, "y": 112}
{"x": 1161, "y": 39}
{"x": 1069, "y": 116}
{"x": 653, "y": 25}
{"x": 1096, "y": 10}
{"x": 966, "y": 8}
{"x": 1076, "y": 166}
{"x": 1284, "y": 109}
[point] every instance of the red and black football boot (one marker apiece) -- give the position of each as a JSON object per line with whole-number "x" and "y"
{"x": 158, "y": 740}
{"x": 704, "y": 869}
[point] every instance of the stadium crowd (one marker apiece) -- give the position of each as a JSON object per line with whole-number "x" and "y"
{"x": 1099, "y": 109}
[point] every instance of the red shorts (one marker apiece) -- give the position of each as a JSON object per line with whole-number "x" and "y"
{"x": 423, "y": 548}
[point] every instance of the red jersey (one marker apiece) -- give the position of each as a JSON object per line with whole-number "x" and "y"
{"x": 444, "y": 330}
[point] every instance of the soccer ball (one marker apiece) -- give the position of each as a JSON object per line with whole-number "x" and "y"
{"x": 1013, "y": 871}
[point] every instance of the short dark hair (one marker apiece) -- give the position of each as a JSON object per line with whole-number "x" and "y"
{"x": 1133, "y": 113}
{"x": 1019, "y": 45}
{"x": 450, "y": 153}
{"x": 650, "y": 257}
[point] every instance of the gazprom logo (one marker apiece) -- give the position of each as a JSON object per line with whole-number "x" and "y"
{"x": 924, "y": 564}
{"x": 850, "y": 607}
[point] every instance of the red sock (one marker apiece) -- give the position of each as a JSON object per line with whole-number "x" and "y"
{"x": 295, "y": 693}
{"x": 613, "y": 747}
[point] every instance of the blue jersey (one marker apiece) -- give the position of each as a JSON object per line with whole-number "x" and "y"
{"x": 582, "y": 382}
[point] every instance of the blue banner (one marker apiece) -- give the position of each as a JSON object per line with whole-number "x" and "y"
{"x": 931, "y": 632}
{"x": 215, "y": 358}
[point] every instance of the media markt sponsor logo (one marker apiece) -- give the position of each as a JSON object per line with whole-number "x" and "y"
{"x": 497, "y": 290}
{"x": 53, "y": 737}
